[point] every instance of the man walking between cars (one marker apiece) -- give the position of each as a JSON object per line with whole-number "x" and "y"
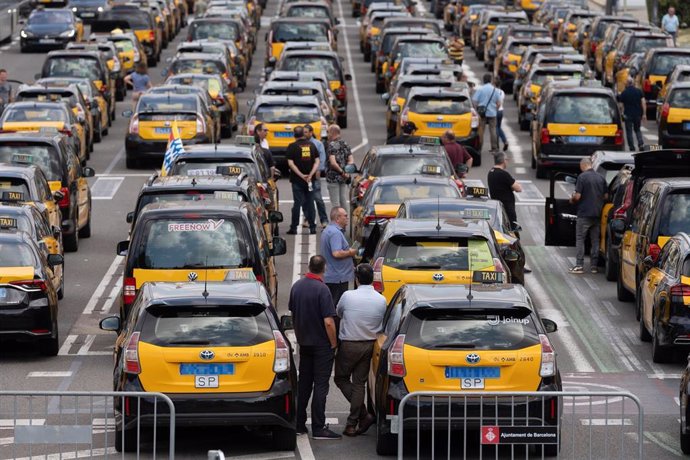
{"x": 502, "y": 185}
{"x": 361, "y": 315}
{"x": 670, "y": 24}
{"x": 486, "y": 99}
{"x": 632, "y": 99}
{"x": 590, "y": 194}
{"x": 338, "y": 254}
{"x": 313, "y": 316}
{"x": 303, "y": 161}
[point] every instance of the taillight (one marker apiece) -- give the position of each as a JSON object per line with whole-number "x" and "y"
{"x": 378, "y": 280}
{"x": 64, "y": 202}
{"x": 653, "y": 250}
{"x": 618, "y": 140}
{"x": 66, "y": 132}
{"x": 680, "y": 290}
{"x": 548, "y": 357}
{"x": 593, "y": 47}
{"x": 281, "y": 362}
{"x": 200, "y": 125}
{"x": 251, "y": 124}
{"x": 134, "y": 125}
{"x": 403, "y": 116}
{"x": 341, "y": 93}
{"x": 474, "y": 121}
{"x": 362, "y": 187}
{"x": 627, "y": 202}
{"x": 31, "y": 285}
{"x": 129, "y": 290}
{"x": 132, "y": 365}
{"x": 260, "y": 278}
{"x": 665, "y": 109}
{"x": 152, "y": 36}
{"x": 396, "y": 360}
{"x": 647, "y": 86}
{"x": 545, "y": 137}
{"x": 498, "y": 265}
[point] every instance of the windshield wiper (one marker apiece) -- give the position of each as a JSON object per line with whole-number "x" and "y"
{"x": 189, "y": 342}
{"x": 421, "y": 266}
{"x": 455, "y": 345}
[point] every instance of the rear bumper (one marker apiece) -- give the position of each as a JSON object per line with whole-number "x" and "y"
{"x": 569, "y": 154}
{"x": 676, "y": 330}
{"x": 667, "y": 139}
{"x": 135, "y": 145}
{"x": 25, "y": 321}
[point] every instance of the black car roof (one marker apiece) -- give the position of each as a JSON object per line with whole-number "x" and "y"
{"x": 45, "y": 137}
{"x": 460, "y": 202}
{"x": 388, "y": 180}
{"x": 24, "y": 171}
{"x": 219, "y": 150}
{"x": 184, "y": 207}
{"x": 406, "y": 149}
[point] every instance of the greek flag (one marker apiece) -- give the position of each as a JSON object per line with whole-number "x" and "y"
{"x": 173, "y": 150}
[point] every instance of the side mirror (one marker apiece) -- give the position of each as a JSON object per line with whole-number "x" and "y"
{"x": 130, "y": 217}
{"x": 122, "y": 248}
{"x": 241, "y": 119}
{"x": 549, "y": 325}
{"x": 348, "y": 77}
{"x": 110, "y": 323}
{"x": 648, "y": 262}
{"x": 127, "y": 113}
{"x": 516, "y": 227}
{"x": 275, "y": 217}
{"x": 55, "y": 259}
{"x": 330, "y": 119}
{"x": 87, "y": 171}
{"x": 58, "y": 195}
{"x": 395, "y": 108}
{"x": 337, "y": 22}
{"x": 279, "y": 246}
{"x": 571, "y": 180}
{"x": 56, "y": 231}
{"x": 285, "y": 322}
{"x": 385, "y": 97}
{"x": 351, "y": 168}
{"x": 510, "y": 256}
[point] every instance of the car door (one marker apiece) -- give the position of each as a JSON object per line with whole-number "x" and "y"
{"x": 654, "y": 278}
{"x": 561, "y": 215}
{"x": 391, "y": 320}
{"x": 630, "y": 242}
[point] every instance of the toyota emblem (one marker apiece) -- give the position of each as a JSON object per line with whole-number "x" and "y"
{"x": 439, "y": 118}
{"x": 582, "y": 129}
{"x": 208, "y": 355}
{"x": 472, "y": 358}
{"x": 166, "y": 124}
{"x": 438, "y": 277}
{"x": 192, "y": 276}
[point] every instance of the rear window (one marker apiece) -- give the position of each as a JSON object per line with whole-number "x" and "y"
{"x": 441, "y": 106}
{"x": 212, "y": 85}
{"x": 307, "y": 12}
{"x": 80, "y": 67}
{"x": 394, "y": 165}
{"x": 193, "y": 243}
{"x": 207, "y": 167}
{"x": 50, "y": 17}
{"x": 273, "y": 113}
{"x": 43, "y": 156}
{"x": 517, "y": 48}
{"x": 190, "y": 195}
{"x": 169, "y": 104}
{"x": 675, "y": 214}
{"x": 472, "y": 329}
{"x": 437, "y": 254}
{"x": 454, "y": 211}
{"x": 124, "y": 45}
{"x": 685, "y": 269}
{"x": 642, "y": 44}
{"x": 287, "y": 32}
{"x": 425, "y": 49}
{"x": 313, "y": 64}
{"x": 582, "y": 109}
{"x": 16, "y": 255}
{"x": 664, "y": 63}
{"x": 540, "y": 78}
{"x": 405, "y": 88}
{"x": 680, "y": 98}
{"x": 197, "y": 66}
{"x": 38, "y": 113}
{"x": 396, "y": 194}
{"x": 232, "y": 326}
{"x": 217, "y": 30}
{"x": 137, "y": 20}
{"x": 14, "y": 184}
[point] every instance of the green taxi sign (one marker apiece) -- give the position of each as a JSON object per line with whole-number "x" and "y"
{"x": 476, "y": 214}
{"x": 431, "y": 169}
{"x": 22, "y": 158}
{"x": 429, "y": 140}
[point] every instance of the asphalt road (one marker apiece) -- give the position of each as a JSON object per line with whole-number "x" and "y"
{"x": 597, "y": 344}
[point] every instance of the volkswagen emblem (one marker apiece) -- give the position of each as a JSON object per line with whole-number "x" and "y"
{"x": 582, "y": 129}
{"x": 208, "y": 355}
{"x": 439, "y": 118}
{"x": 438, "y": 277}
{"x": 472, "y": 358}
{"x": 192, "y": 276}
{"x": 288, "y": 127}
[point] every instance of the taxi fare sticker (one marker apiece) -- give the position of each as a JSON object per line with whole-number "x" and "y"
{"x": 208, "y": 226}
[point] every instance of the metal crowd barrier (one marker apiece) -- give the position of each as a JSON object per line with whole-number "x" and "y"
{"x": 89, "y": 424}
{"x": 477, "y": 425}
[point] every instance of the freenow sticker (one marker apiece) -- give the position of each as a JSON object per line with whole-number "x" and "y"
{"x": 209, "y": 226}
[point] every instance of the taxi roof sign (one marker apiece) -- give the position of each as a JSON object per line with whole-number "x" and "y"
{"x": 22, "y": 158}
{"x": 486, "y": 277}
{"x": 429, "y": 140}
{"x": 431, "y": 169}
{"x": 238, "y": 274}
{"x": 8, "y": 222}
{"x": 477, "y": 191}
{"x": 12, "y": 196}
{"x": 476, "y": 213}
{"x": 228, "y": 170}
{"x": 245, "y": 140}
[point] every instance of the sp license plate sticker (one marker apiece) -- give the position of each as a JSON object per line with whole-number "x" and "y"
{"x": 209, "y": 226}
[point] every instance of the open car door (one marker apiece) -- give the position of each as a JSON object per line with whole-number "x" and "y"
{"x": 561, "y": 215}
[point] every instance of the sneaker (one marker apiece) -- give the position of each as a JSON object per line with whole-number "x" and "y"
{"x": 594, "y": 270}
{"x": 325, "y": 433}
{"x": 302, "y": 430}
{"x": 292, "y": 231}
{"x": 505, "y": 147}
{"x": 577, "y": 269}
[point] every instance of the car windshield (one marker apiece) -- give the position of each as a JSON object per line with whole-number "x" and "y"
{"x": 457, "y": 328}
{"x": 313, "y": 64}
{"x": 642, "y": 44}
{"x": 211, "y": 85}
{"x": 675, "y": 213}
{"x": 217, "y": 30}
{"x": 295, "y": 32}
{"x": 80, "y": 67}
{"x": 424, "y": 49}
{"x": 193, "y": 243}
{"x": 664, "y": 63}
{"x": 397, "y": 193}
{"x": 680, "y": 98}
{"x": 50, "y": 17}
{"x": 440, "y": 106}
{"x": 14, "y": 184}
{"x": 582, "y": 109}
{"x": 460, "y": 254}
{"x": 274, "y": 113}
{"x": 207, "y": 167}
{"x": 167, "y": 104}
{"x": 39, "y": 114}
{"x": 307, "y": 12}
{"x": 43, "y": 156}
{"x": 16, "y": 255}
{"x": 409, "y": 165}
{"x": 211, "y": 66}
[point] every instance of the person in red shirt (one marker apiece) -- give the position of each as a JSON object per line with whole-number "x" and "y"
{"x": 456, "y": 152}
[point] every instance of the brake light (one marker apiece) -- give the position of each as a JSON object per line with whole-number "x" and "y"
{"x": 134, "y": 125}
{"x": 593, "y": 47}
{"x": 64, "y": 202}
{"x": 260, "y": 278}
{"x": 281, "y": 362}
{"x": 341, "y": 93}
{"x": 474, "y": 121}
{"x": 31, "y": 285}
{"x": 647, "y": 86}
{"x": 251, "y": 124}
{"x": 618, "y": 140}
{"x": 680, "y": 290}
{"x": 404, "y": 115}
{"x": 396, "y": 360}
{"x": 152, "y": 36}
{"x": 378, "y": 279}
{"x": 200, "y": 125}
{"x": 545, "y": 137}
{"x": 66, "y": 132}
{"x": 653, "y": 250}
{"x": 665, "y": 109}
{"x": 129, "y": 290}
{"x": 132, "y": 365}
{"x": 498, "y": 265}
{"x": 362, "y": 188}
{"x": 548, "y": 357}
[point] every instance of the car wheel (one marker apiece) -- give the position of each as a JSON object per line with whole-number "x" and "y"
{"x": 284, "y": 438}
{"x": 638, "y": 302}
{"x": 610, "y": 267}
{"x": 651, "y": 114}
{"x": 386, "y": 444}
{"x": 85, "y": 231}
{"x": 524, "y": 124}
{"x": 534, "y": 160}
{"x": 645, "y": 336}
{"x": 342, "y": 121}
{"x": 379, "y": 86}
{"x": 541, "y": 171}
{"x": 130, "y": 439}
{"x": 660, "y": 354}
{"x": 621, "y": 293}
{"x": 372, "y": 67}
{"x": 97, "y": 133}
{"x": 71, "y": 242}
{"x": 367, "y": 56}
{"x": 51, "y": 345}
{"x": 131, "y": 163}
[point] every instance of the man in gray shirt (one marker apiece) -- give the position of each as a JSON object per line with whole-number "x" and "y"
{"x": 361, "y": 316}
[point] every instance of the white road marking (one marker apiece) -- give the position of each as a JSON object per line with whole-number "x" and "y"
{"x": 606, "y": 421}
{"x": 609, "y": 307}
{"x": 105, "y": 281}
{"x": 49, "y": 374}
{"x": 87, "y": 453}
{"x": 269, "y": 456}
{"x": 520, "y": 170}
{"x": 87, "y": 344}
{"x": 114, "y": 294}
{"x": 304, "y": 448}
{"x": 105, "y": 188}
{"x": 7, "y": 441}
{"x": 664, "y": 376}
{"x": 677, "y": 400}
{"x": 11, "y": 423}
{"x": 67, "y": 344}
{"x": 665, "y": 441}
{"x": 115, "y": 161}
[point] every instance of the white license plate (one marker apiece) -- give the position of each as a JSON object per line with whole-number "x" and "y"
{"x": 88, "y": 15}
{"x": 206, "y": 381}
{"x": 47, "y": 40}
{"x": 472, "y": 383}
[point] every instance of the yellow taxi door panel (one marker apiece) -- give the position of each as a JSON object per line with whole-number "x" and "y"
{"x": 386, "y": 210}
{"x": 648, "y": 289}
{"x": 610, "y": 58}
{"x": 144, "y": 275}
{"x": 604, "y": 221}
{"x": 628, "y": 247}
{"x": 277, "y": 49}
{"x": 54, "y": 213}
{"x": 83, "y": 201}
{"x": 440, "y": 370}
{"x": 8, "y": 274}
{"x": 676, "y": 115}
{"x": 244, "y": 369}
{"x": 375, "y": 360}
{"x": 685, "y": 280}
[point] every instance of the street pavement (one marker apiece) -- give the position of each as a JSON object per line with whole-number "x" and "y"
{"x": 597, "y": 341}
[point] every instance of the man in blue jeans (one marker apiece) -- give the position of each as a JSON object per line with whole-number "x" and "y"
{"x": 303, "y": 161}
{"x": 338, "y": 254}
{"x": 318, "y": 198}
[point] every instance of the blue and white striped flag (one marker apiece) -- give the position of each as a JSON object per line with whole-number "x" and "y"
{"x": 173, "y": 150}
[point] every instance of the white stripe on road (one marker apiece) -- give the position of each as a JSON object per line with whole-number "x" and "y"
{"x": 115, "y": 161}
{"x": 11, "y": 423}
{"x": 49, "y": 374}
{"x": 105, "y": 281}
{"x": 105, "y": 188}
{"x": 67, "y": 344}
{"x": 304, "y": 448}
{"x": 606, "y": 422}
{"x": 329, "y": 421}
{"x": 87, "y": 453}
{"x": 269, "y": 456}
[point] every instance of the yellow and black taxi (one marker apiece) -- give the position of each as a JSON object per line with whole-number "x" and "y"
{"x": 371, "y": 29}
{"x": 568, "y": 28}
{"x": 665, "y": 293}
{"x": 582, "y": 31}
{"x": 381, "y": 50}
{"x": 309, "y": 9}
{"x": 235, "y": 61}
{"x": 34, "y": 116}
{"x": 427, "y": 45}
{"x": 188, "y": 240}
{"x": 129, "y": 17}
{"x": 657, "y": 64}
{"x": 546, "y": 59}
{"x": 130, "y": 50}
{"x": 482, "y": 31}
{"x": 325, "y": 61}
{"x": 449, "y": 338}
{"x": 384, "y": 196}
{"x": 151, "y": 124}
{"x": 226, "y": 30}
{"x": 470, "y": 16}
{"x": 28, "y": 184}
{"x": 505, "y": 32}
{"x": 50, "y": 28}
{"x": 509, "y": 56}
{"x": 64, "y": 174}
{"x": 217, "y": 350}
{"x": 98, "y": 107}
{"x": 297, "y": 29}
{"x": 674, "y": 117}
{"x": 629, "y": 43}
{"x": 112, "y": 60}
{"x": 326, "y": 97}
{"x": 606, "y": 46}
{"x": 531, "y": 54}
{"x": 201, "y": 93}
{"x": 280, "y": 115}
{"x": 28, "y": 290}
{"x": 540, "y": 74}
{"x": 572, "y": 120}
{"x": 88, "y": 10}
{"x": 201, "y": 63}
{"x": 679, "y": 74}
{"x": 596, "y": 35}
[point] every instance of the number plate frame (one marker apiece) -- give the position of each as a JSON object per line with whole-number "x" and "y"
{"x": 283, "y": 134}
{"x": 440, "y": 125}
{"x": 161, "y": 130}
{"x": 584, "y": 139}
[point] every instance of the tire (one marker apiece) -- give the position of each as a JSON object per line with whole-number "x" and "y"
{"x": 659, "y": 354}
{"x": 367, "y": 56}
{"x": 71, "y": 242}
{"x": 342, "y": 121}
{"x": 98, "y": 133}
{"x": 684, "y": 441}
{"x": 51, "y": 345}
{"x": 132, "y": 163}
{"x": 645, "y": 336}
{"x": 380, "y": 86}
{"x": 638, "y": 304}
{"x": 372, "y": 67}
{"x": 130, "y": 439}
{"x": 61, "y": 291}
{"x": 541, "y": 171}
{"x": 386, "y": 444}
{"x": 533, "y": 161}
{"x": 284, "y": 438}
{"x": 226, "y": 131}
{"x": 610, "y": 267}
{"x": 651, "y": 113}
{"x": 524, "y": 125}
{"x": 85, "y": 231}
{"x": 621, "y": 293}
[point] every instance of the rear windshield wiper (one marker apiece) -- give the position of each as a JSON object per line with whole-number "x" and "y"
{"x": 455, "y": 345}
{"x": 421, "y": 266}
{"x": 189, "y": 342}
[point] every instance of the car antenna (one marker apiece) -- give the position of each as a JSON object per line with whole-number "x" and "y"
{"x": 438, "y": 213}
{"x": 205, "y": 293}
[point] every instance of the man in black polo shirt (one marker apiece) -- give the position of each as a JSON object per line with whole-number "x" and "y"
{"x": 303, "y": 160}
{"x": 313, "y": 316}
{"x": 502, "y": 185}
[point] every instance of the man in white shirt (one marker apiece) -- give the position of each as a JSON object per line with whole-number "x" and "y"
{"x": 670, "y": 23}
{"x": 361, "y": 316}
